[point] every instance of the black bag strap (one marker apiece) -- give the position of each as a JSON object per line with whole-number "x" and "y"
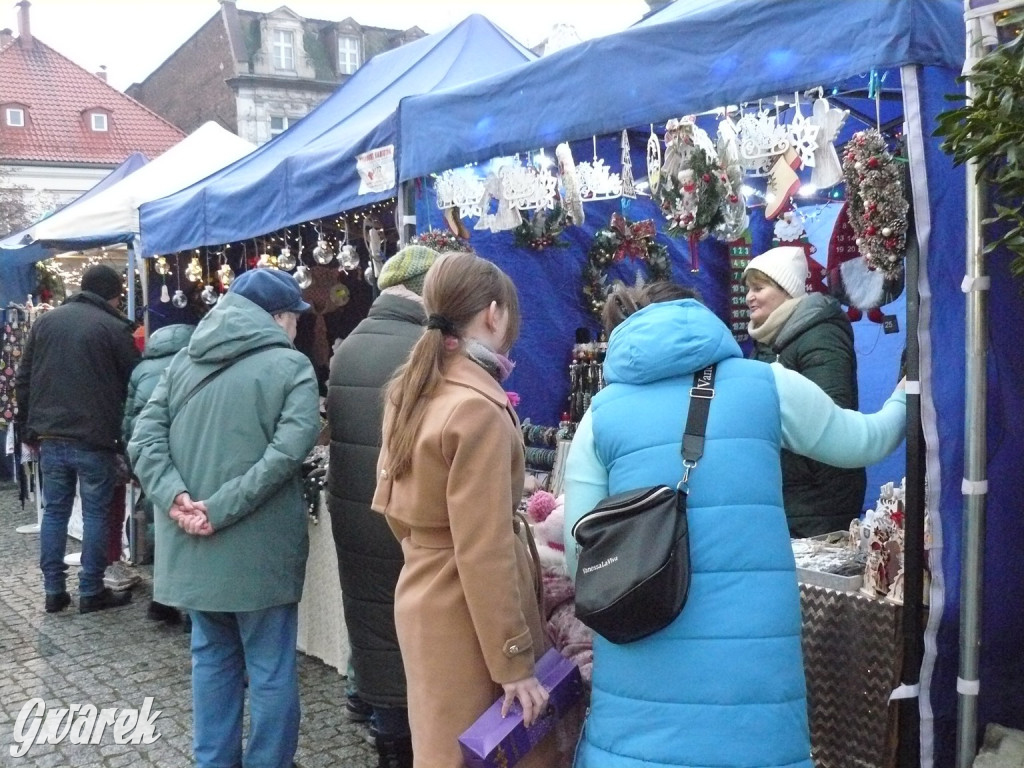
{"x": 701, "y": 393}
{"x": 214, "y": 374}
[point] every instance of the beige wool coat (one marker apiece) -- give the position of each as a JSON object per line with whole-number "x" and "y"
{"x": 465, "y": 605}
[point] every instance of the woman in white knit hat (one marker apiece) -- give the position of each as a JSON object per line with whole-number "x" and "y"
{"x": 809, "y": 334}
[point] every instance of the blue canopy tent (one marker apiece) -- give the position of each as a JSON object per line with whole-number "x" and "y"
{"x": 701, "y": 54}
{"x": 19, "y": 253}
{"x": 311, "y": 170}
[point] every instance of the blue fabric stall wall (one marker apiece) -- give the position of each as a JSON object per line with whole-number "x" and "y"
{"x": 946, "y": 264}
{"x": 549, "y": 284}
{"x": 16, "y": 282}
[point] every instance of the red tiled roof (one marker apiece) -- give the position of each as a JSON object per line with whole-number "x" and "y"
{"x": 56, "y": 94}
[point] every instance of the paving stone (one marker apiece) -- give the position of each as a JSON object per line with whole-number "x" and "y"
{"x": 116, "y": 658}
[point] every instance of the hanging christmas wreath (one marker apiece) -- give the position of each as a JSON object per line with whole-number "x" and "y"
{"x": 694, "y": 188}
{"x": 877, "y": 205}
{"x": 543, "y": 229}
{"x": 620, "y": 240}
{"x": 441, "y": 241}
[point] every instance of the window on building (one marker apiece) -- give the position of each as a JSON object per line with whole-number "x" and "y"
{"x": 278, "y": 125}
{"x": 15, "y": 117}
{"x": 284, "y": 50}
{"x": 98, "y": 121}
{"x": 348, "y": 55}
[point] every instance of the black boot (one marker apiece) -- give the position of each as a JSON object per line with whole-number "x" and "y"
{"x": 394, "y": 752}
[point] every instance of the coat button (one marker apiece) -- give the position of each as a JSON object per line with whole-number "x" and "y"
{"x": 513, "y": 648}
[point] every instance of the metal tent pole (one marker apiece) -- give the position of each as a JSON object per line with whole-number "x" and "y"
{"x": 975, "y": 483}
{"x": 914, "y": 508}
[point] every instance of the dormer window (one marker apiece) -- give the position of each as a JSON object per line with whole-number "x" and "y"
{"x": 14, "y": 117}
{"x": 348, "y": 54}
{"x": 284, "y": 50}
{"x": 98, "y": 122}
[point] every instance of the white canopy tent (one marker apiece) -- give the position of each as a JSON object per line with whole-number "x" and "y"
{"x": 112, "y": 216}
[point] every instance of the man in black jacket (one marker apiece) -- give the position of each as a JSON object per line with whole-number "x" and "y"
{"x": 369, "y": 557}
{"x": 71, "y": 386}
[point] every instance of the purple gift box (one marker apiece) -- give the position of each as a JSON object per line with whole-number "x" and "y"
{"x": 494, "y": 741}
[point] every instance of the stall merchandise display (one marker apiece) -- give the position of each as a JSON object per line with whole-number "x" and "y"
{"x": 877, "y": 205}
{"x": 867, "y": 558}
{"x": 622, "y": 239}
{"x": 586, "y": 373}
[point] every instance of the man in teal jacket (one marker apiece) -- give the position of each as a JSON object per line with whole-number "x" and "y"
{"x": 218, "y": 448}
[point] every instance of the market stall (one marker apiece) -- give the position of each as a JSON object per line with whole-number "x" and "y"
{"x": 754, "y": 54}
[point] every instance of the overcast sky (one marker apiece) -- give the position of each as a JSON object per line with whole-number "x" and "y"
{"x": 132, "y": 37}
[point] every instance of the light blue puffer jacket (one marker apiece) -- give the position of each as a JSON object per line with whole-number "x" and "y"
{"x": 723, "y": 685}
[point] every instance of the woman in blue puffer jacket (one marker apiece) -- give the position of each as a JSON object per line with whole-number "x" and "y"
{"x": 723, "y": 684}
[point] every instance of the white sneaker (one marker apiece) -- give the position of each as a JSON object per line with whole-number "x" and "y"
{"x": 120, "y": 576}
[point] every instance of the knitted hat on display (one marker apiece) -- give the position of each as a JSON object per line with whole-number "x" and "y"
{"x": 408, "y": 267}
{"x": 273, "y": 290}
{"x": 786, "y": 265}
{"x": 103, "y": 281}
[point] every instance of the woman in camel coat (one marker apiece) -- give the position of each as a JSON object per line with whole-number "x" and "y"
{"x": 449, "y": 478}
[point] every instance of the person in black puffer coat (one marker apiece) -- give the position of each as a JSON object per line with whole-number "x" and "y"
{"x": 369, "y": 556}
{"x": 809, "y": 334}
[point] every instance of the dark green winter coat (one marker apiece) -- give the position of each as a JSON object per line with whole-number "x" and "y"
{"x": 817, "y": 342}
{"x": 369, "y": 556}
{"x": 238, "y": 445}
{"x": 160, "y": 348}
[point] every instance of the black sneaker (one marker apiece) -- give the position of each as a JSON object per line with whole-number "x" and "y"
{"x": 166, "y": 613}
{"x": 105, "y": 599}
{"x": 57, "y": 602}
{"x": 357, "y": 710}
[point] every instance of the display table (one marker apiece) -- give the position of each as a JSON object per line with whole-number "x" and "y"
{"x": 322, "y": 630}
{"x": 852, "y": 658}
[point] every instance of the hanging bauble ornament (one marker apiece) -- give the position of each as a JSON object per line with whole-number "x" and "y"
{"x": 161, "y": 266}
{"x": 226, "y": 275}
{"x": 209, "y": 295}
{"x": 303, "y": 277}
{"x": 165, "y": 295}
{"x": 194, "y": 271}
{"x": 266, "y": 260}
{"x": 323, "y": 253}
{"x": 180, "y": 300}
{"x": 285, "y": 260}
{"x": 340, "y": 295}
{"x": 349, "y": 258}
{"x": 370, "y": 275}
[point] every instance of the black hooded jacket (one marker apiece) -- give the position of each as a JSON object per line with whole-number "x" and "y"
{"x": 73, "y": 376}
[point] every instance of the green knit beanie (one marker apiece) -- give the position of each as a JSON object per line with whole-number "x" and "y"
{"x": 408, "y": 267}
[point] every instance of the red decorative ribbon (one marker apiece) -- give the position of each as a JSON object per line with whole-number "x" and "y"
{"x": 635, "y": 237}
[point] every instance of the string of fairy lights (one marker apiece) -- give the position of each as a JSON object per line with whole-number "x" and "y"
{"x": 209, "y": 270}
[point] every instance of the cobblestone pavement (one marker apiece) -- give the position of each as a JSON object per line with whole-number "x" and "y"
{"x": 117, "y": 658}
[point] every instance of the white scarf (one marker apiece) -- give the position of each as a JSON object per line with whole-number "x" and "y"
{"x": 767, "y": 331}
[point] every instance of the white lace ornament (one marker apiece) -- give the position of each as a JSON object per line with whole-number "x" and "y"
{"x": 628, "y": 185}
{"x": 503, "y": 216}
{"x": 734, "y": 207}
{"x": 459, "y": 188}
{"x": 574, "y": 180}
{"x": 653, "y": 162}
{"x": 803, "y": 135}
{"x": 761, "y": 141}
{"x": 828, "y": 171}
{"x": 528, "y": 188}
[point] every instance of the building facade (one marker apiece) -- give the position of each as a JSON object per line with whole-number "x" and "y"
{"x": 258, "y": 73}
{"x": 62, "y": 128}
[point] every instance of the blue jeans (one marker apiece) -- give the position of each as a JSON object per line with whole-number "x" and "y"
{"x": 224, "y": 647}
{"x": 66, "y": 464}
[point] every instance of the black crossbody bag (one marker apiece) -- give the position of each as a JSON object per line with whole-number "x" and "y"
{"x": 633, "y": 570}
